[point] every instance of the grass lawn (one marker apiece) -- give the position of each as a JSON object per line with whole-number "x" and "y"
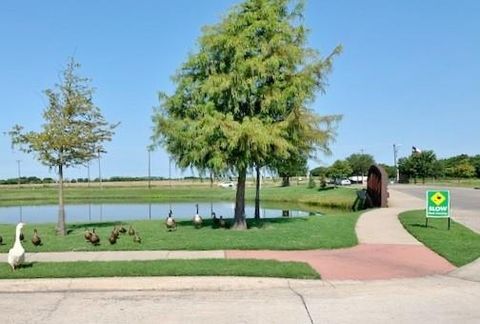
{"x": 336, "y": 230}
{"x": 212, "y": 267}
{"x": 334, "y": 198}
{"x": 459, "y": 245}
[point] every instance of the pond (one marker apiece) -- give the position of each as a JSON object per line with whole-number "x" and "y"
{"x": 131, "y": 211}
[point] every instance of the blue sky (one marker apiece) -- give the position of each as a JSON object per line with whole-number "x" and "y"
{"x": 409, "y": 74}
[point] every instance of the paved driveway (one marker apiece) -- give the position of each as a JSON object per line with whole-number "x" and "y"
{"x": 465, "y": 202}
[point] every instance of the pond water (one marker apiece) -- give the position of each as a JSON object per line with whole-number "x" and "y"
{"x": 131, "y": 211}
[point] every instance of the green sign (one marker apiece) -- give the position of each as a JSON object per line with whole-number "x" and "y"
{"x": 438, "y": 203}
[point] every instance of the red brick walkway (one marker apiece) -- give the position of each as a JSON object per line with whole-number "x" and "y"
{"x": 362, "y": 262}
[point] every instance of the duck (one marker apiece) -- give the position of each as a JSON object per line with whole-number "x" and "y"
{"x": 215, "y": 220}
{"x": 113, "y": 238}
{"x": 221, "y": 222}
{"x": 116, "y": 232}
{"x": 197, "y": 219}
{"x": 87, "y": 235}
{"x": 94, "y": 239}
{"x": 36, "y": 240}
{"x": 131, "y": 231}
{"x": 16, "y": 255}
{"x": 122, "y": 229}
{"x": 137, "y": 238}
{"x": 170, "y": 223}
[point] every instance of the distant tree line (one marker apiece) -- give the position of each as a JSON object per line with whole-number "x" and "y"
{"x": 36, "y": 180}
{"x": 422, "y": 165}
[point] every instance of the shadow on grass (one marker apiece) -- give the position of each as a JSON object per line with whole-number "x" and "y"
{"x": 74, "y": 227}
{"x": 326, "y": 189}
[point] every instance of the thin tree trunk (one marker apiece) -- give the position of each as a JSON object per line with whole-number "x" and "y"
{"x": 257, "y": 193}
{"x": 61, "y": 206}
{"x": 285, "y": 181}
{"x": 239, "y": 221}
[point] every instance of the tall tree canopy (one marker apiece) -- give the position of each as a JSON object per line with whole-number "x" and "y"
{"x": 360, "y": 163}
{"x": 241, "y": 100}
{"x": 73, "y": 133}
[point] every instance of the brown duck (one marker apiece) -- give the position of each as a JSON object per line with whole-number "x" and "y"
{"x": 122, "y": 229}
{"x": 36, "y": 240}
{"x": 87, "y": 235}
{"x": 137, "y": 238}
{"x": 113, "y": 238}
{"x": 94, "y": 239}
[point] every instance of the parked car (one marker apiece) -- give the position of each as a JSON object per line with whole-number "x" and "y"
{"x": 229, "y": 184}
{"x": 343, "y": 182}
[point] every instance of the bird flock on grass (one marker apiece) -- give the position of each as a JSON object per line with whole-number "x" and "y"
{"x": 16, "y": 255}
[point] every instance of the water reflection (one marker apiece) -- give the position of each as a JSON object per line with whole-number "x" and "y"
{"x": 115, "y": 212}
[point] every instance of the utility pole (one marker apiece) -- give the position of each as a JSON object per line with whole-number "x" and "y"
{"x": 395, "y": 155}
{"x": 19, "y": 174}
{"x": 88, "y": 174}
{"x": 149, "y": 170}
{"x": 170, "y": 171}
{"x": 99, "y": 170}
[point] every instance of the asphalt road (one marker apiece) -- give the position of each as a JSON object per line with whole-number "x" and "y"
{"x": 462, "y": 198}
{"x": 439, "y": 299}
{"x": 465, "y": 202}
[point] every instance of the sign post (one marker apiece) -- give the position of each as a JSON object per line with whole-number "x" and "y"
{"x": 438, "y": 205}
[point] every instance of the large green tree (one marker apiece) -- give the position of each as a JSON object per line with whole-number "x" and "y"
{"x": 73, "y": 133}
{"x": 419, "y": 165}
{"x": 339, "y": 169}
{"x": 360, "y": 163}
{"x": 241, "y": 100}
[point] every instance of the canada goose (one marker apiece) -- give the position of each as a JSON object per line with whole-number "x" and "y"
{"x": 113, "y": 238}
{"x": 16, "y": 255}
{"x": 1, "y": 240}
{"x": 87, "y": 235}
{"x": 221, "y": 222}
{"x": 215, "y": 220}
{"x": 137, "y": 238}
{"x": 22, "y": 237}
{"x": 170, "y": 222}
{"x": 131, "y": 231}
{"x": 122, "y": 229}
{"x": 197, "y": 220}
{"x": 36, "y": 240}
{"x": 94, "y": 238}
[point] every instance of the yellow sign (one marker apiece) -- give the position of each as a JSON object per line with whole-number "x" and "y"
{"x": 438, "y": 198}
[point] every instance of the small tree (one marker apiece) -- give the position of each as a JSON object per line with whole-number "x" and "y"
{"x": 360, "y": 163}
{"x": 73, "y": 133}
{"x": 339, "y": 169}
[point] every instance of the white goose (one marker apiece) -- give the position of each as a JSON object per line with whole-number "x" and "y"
{"x": 16, "y": 255}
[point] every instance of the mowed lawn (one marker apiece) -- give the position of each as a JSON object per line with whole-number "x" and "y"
{"x": 335, "y": 230}
{"x": 212, "y": 267}
{"x": 459, "y": 245}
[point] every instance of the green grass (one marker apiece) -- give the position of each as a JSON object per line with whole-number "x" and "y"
{"x": 336, "y": 230}
{"x": 459, "y": 245}
{"x": 335, "y": 198}
{"x": 206, "y": 267}
{"x": 466, "y": 183}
